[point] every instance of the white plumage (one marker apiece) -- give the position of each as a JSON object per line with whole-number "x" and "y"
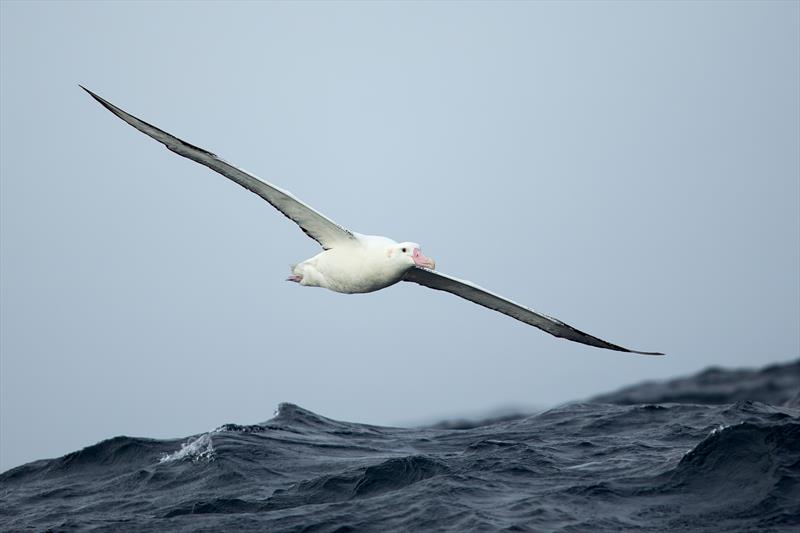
{"x": 355, "y": 263}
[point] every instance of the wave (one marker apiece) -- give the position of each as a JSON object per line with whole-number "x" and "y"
{"x": 777, "y": 384}
{"x": 743, "y": 471}
{"x": 584, "y": 466}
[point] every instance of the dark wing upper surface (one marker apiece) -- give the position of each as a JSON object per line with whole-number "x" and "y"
{"x": 469, "y": 291}
{"x": 316, "y": 225}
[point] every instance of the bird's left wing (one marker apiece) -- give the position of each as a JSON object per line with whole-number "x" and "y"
{"x": 473, "y": 293}
{"x": 316, "y": 225}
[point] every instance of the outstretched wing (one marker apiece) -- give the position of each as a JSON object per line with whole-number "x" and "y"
{"x": 480, "y": 296}
{"x": 316, "y": 225}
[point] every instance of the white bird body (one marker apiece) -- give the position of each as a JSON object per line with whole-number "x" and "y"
{"x": 365, "y": 264}
{"x": 354, "y": 263}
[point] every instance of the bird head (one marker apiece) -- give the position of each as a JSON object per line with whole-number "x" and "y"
{"x": 409, "y": 254}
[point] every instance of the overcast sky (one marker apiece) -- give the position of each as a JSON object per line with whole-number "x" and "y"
{"x": 630, "y": 168}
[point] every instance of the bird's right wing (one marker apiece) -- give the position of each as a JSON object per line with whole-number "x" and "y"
{"x": 316, "y": 225}
{"x": 473, "y": 293}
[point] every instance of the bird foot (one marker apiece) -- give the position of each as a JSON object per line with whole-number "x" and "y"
{"x": 295, "y": 278}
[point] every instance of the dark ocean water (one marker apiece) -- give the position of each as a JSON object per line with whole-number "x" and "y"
{"x": 726, "y": 458}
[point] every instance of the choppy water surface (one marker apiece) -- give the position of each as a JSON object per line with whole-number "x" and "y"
{"x": 617, "y": 465}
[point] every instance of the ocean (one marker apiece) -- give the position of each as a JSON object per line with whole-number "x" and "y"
{"x": 718, "y": 451}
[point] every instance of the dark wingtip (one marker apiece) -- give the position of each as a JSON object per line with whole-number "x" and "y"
{"x": 141, "y": 125}
{"x": 646, "y": 353}
{"x": 87, "y": 90}
{"x": 96, "y": 97}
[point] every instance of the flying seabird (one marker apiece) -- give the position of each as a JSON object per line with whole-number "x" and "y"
{"x": 354, "y": 263}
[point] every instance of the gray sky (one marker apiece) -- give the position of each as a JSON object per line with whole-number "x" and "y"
{"x": 631, "y": 169}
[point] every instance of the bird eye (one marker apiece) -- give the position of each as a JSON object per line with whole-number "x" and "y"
{"x": 404, "y": 250}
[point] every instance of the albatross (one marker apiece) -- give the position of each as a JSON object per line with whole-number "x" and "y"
{"x": 354, "y": 263}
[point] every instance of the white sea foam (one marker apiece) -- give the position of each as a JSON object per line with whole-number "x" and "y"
{"x": 198, "y": 450}
{"x": 718, "y": 429}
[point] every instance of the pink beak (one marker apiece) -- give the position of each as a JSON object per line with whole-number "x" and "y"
{"x": 422, "y": 261}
